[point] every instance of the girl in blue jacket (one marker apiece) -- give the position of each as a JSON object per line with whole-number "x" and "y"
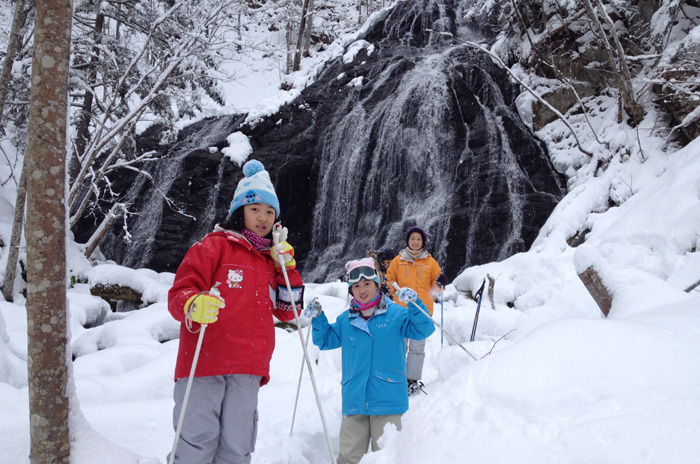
{"x": 371, "y": 333}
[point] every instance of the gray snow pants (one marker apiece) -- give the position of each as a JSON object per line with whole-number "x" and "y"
{"x": 415, "y": 358}
{"x": 221, "y": 419}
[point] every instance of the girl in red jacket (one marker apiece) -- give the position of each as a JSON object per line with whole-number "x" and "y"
{"x": 234, "y": 362}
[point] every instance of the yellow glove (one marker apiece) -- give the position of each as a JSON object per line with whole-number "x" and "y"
{"x": 203, "y": 308}
{"x": 286, "y": 254}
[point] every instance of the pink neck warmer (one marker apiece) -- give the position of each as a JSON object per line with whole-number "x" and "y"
{"x": 365, "y": 306}
{"x": 258, "y": 242}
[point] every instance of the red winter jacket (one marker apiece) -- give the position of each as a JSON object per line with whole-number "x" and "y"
{"x": 241, "y": 341}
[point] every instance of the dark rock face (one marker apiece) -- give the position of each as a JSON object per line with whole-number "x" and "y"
{"x": 414, "y": 130}
{"x": 193, "y": 179}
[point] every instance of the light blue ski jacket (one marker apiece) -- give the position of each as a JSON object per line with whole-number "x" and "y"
{"x": 374, "y": 355}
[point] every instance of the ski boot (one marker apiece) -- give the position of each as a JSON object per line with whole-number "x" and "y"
{"x": 414, "y": 386}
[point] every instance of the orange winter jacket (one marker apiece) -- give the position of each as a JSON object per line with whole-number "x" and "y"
{"x": 419, "y": 275}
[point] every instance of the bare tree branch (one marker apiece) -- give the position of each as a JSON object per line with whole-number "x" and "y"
{"x": 116, "y": 210}
{"x": 12, "y": 47}
{"x": 496, "y": 342}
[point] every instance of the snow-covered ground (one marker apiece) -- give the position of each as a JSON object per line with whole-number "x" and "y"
{"x": 555, "y": 381}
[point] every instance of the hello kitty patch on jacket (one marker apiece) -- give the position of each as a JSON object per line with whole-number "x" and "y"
{"x": 234, "y": 279}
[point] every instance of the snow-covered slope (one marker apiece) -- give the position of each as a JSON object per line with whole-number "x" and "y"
{"x": 555, "y": 382}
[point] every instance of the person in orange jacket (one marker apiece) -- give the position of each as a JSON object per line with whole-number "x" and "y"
{"x": 415, "y": 268}
{"x": 231, "y": 282}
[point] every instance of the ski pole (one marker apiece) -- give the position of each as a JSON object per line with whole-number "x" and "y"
{"x": 480, "y": 292}
{"x": 187, "y": 393}
{"x": 301, "y": 373}
{"x": 442, "y": 312}
{"x": 181, "y": 419}
{"x": 276, "y": 239}
{"x": 396, "y": 286}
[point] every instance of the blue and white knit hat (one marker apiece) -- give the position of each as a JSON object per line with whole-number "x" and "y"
{"x": 255, "y": 187}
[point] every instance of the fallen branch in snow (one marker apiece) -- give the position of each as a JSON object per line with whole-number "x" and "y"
{"x": 110, "y": 293}
{"x": 595, "y": 287}
{"x": 496, "y": 342}
{"x": 692, "y": 287}
{"x": 639, "y": 144}
{"x": 500, "y": 62}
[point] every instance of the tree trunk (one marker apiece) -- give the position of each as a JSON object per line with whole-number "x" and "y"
{"x": 47, "y": 358}
{"x": 308, "y": 28}
{"x": 82, "y": 129}
{"x": 633, "y": 108}
{"x": 288, "y": 39}
{"x": 12, "y": 47}
{"x": 606, "y": 45}
{"x": 300, "y": 36}
{"x": 16, "y": 237}
{"x": 623, "y": 78}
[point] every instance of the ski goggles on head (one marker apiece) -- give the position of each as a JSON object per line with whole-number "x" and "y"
{"x": 362, "y": 272}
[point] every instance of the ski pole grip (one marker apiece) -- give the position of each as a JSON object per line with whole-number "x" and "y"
{"x": 215, "y": 291}
{"x": 276, "y": 242}
{"x": 397, "y": 287}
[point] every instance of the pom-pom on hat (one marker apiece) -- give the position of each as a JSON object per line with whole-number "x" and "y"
{"x": 420, "y": 231}
{"x": 255, "y": 187}
{"x": 361, "y": 269}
